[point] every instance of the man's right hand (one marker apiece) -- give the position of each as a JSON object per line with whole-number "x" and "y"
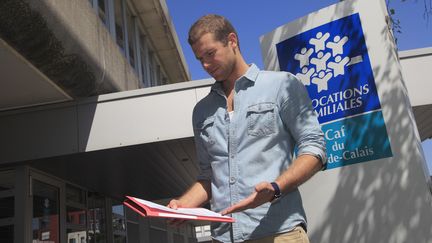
{"x": 197, "y": 195}
{"x": 175, "y": 204}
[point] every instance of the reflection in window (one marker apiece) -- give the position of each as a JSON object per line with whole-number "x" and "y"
{"x": 76, "y": 219}
{"x": 118, "y": 223}
{"x": 75, "y": 195}
{"x": 119, "y": 24}
{"x": 45, "y": 221}
{"x": 75, "y": 216}
{"x": 76, "y": 236}
{"x": 96, "y": 218}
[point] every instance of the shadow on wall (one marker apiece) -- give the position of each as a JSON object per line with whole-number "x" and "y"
{"x": 383, "y": 200}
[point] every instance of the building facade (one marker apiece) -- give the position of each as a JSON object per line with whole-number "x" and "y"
{"x": 55, "y": 52}
{"x": 77, "y": 132}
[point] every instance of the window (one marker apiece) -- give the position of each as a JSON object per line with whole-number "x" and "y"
{"x": 119, "y": 24}
{"x": 102, "y": 11}
{"x": 96, "y": 218}
{"x": 152, "y": 70}
{"x": 144, "y": 62}
{"x": 45, "y": 222}
{"x": 158, "y": 75}
{"x": 75, "y": 195}
{"x": 118, "y": 223}
{"x": 143, "y": 67}
{"x": 132, "y": 225}
{"x": 76, "y": 219}
{"x": 131, "y": 37}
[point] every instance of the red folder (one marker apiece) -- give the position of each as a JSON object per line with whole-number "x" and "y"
{"x": 151, "y": 209}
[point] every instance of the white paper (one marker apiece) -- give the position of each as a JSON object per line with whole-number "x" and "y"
{"x": 191, "y": 211}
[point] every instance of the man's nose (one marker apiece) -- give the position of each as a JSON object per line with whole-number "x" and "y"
{"x": 206, "y": 65}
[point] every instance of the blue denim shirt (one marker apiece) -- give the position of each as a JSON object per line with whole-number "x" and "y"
{"x": 272, "y": 115}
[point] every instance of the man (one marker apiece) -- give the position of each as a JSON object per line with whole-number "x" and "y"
{"x": 245, "y": 130}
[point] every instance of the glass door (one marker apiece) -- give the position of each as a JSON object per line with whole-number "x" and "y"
{"x": 76, "y": 215}
{"x": 97, "y": 219}
{"x": 46, "y": 212}
{"x": 118, "y": 222}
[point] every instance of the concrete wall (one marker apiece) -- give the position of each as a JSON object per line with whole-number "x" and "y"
{"x": 82, "y": 33}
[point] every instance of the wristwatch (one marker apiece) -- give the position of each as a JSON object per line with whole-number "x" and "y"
{"x": 277, "y": 191}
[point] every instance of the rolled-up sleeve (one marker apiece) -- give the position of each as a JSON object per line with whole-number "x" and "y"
{"x": 205, "y": 172}
{"x": 301, "y": 119}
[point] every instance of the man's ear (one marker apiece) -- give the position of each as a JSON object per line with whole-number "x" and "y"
{"x": 232, "y": 39}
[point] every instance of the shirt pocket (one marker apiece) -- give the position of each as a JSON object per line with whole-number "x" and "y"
{"x": 261, "y": 119}
{"x": 206, "y": 130}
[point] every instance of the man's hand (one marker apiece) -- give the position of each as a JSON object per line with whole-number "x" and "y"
{"x": 175, "y": 204}
{"x": 263, "y": 193}
{"x": 197, "y": 195}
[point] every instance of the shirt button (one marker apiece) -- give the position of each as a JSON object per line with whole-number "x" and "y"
{"x": 232, "y": 180}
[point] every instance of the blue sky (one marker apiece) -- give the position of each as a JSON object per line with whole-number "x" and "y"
{"x": 253, "y": 18}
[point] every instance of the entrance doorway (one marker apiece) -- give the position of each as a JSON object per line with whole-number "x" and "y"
{"x": 46, "y": 204}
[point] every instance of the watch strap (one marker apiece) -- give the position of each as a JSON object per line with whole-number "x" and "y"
{"x": 277, "y": 191}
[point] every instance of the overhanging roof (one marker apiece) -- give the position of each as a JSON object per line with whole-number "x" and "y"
{"x": 161, "y": 32}
{"x": 24, "y": 85}
{"x": 137, "y": 142}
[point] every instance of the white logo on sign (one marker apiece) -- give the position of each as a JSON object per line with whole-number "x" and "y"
{"x": 318, "y": 69}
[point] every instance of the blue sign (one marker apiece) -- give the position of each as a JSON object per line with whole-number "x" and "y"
{"x": 358, "y": 139}
{"x": 332, "y": 61}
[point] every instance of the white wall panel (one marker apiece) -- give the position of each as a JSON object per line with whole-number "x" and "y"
{"x": 136, "y": 120}
{"x": 417, "y": 78}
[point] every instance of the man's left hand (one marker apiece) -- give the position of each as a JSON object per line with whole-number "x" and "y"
{"x": 263, "y": 193}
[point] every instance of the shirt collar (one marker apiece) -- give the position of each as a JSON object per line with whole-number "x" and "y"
{"x": 251, "y": 75}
